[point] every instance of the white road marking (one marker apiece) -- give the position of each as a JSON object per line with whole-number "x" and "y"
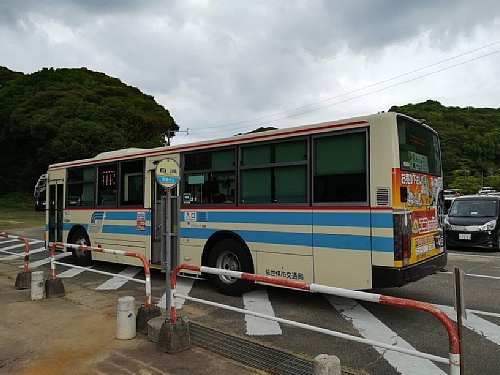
{"x": 20, "y": 244}
{"x": 19, "y": 255}
{"x": 474, "y": 255}
{"x": 8, "y": 241}
{"x": 476, "y": 275}
{"x": 183, "y": 286}
{"x": 258, "y": 301}
{"x": 117, "y": 282}
{"x": 479, "y": 325}
{"x": 72, "y": 272}
{"x": 372, "y": 328}
{"x": 46, "y": 260}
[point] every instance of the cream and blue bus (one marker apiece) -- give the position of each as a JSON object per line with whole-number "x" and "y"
{"x": 353, "y": 203}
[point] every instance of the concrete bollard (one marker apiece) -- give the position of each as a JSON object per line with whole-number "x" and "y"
{"x": 37, "y": 286}
{"x": 125, "y": 318}
{"x": 325, "y": 364}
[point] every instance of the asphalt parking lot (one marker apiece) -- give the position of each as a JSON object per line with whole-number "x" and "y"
{"x": 407, "y": 328}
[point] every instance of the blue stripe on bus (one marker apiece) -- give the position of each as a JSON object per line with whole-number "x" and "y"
{"x": 348, "y": 219}
{"x": 126, "y": 215}
{"x": 338, "y": 219}
{"x": 299, "y": 239}
{"x": 126, "y": 229}
{"x": 294, "y": 218}
{"x": 382, "y": 220}
{"x": 68, "y": 226}
{"x": 383, "y": 244}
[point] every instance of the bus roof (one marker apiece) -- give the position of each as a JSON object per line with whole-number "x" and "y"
{"x": 129, "y": 153}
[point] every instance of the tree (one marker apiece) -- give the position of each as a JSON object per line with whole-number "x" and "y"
{"x": 469, "y": 137}
{"x": 57, "y": 115}
{"x": 464, "y": 182}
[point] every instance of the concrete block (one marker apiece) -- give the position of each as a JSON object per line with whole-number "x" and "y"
{"x": 174, "y": 337}
{"x": 23, "y": 280}
{"x": 37, "y": 288}
{"x": 54, "y": 288}
{"x": 144, "y": 315}
{"x": 154, "y": 328}
{"x": 325, "y": 364}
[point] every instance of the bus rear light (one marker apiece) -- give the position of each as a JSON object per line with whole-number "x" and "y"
{"x": 406, "y": 253}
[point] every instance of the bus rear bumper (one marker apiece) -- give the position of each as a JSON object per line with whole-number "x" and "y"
{"x": 392, "y": 276}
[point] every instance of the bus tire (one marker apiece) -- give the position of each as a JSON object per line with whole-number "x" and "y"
{"x": 230, "y": 254}
{"x": 81, "y": 258}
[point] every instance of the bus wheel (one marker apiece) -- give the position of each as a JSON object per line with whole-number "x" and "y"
{"x": 230, "y": 254}
{"x": 81, "y": 257}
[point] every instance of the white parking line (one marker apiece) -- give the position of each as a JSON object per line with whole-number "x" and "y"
{"x": 475, "y": 255}
{"x": 117, "y": 282}
{"x": 258, "y": 301}
{"x": 19, "y": 245}
{"x": 479, "y": 325}
{"x": 72, "y": 272}
{"x": 184, "y": 285}
{"x": 372, "y": 328}
{"x": 46, "y": 260}
{"x": 19, "y": 255}
{"x": 475, "y": 275}
{"x": 8, "y": 241}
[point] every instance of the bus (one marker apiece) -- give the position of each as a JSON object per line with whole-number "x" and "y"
{"x": 353, "y": 203}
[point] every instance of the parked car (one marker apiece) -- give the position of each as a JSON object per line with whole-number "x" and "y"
{"x": 473, "y": 221}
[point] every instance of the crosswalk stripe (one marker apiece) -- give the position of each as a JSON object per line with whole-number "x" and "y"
{"x": 116, "y": 281}
{"x": 473, "y": 322}
{"x": 19, "y": 255}
{"x": 7, "y": 241}
{"x": 46, "y": 260}
{"x": 372, "y": 328}
{"x": 184, "y": 285}
{"x": 258, "y": 301}
{"x": 19, "y": 245}
{"x": 72, "y": 272}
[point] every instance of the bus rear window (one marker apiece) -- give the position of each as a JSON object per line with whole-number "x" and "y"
{"x": 418, "y": 148}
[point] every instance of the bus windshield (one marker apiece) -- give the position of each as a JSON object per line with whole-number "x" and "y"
{"x": 418, "y": 148}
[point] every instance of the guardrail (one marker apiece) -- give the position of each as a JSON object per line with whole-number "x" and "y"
{"x": 61, "y": 245}
{"x": 23, "y": 279}
{"x": 26, "y": 248}
{"x": 453, "y": 338}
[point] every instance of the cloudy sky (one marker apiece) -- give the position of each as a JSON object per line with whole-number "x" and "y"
{"x": 223, "y": 67}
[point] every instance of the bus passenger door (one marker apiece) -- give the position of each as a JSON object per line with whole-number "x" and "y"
{"x": 55, "y": 211}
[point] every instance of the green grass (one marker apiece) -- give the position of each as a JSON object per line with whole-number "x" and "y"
{"x": 17, "y": 211}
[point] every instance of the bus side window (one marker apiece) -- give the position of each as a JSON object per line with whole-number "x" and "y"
{"x": 106, "y": 187}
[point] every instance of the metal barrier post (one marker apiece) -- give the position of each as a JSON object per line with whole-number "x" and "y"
{"x": 54, "y": 286}
{"x": 23, "y": 279}
{"x": 453, "y": 340}
{"x": 145, "y": 312}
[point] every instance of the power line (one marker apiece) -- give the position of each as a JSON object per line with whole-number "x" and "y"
{"x": 357, "y": 90}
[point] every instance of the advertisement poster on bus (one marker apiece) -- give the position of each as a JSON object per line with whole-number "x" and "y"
{"x": 422, "y": 190}
{"x": 422, "y": 194}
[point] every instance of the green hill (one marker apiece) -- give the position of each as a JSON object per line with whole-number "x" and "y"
{"x": 470, "y": 137}
{"x": 57, "y": 115}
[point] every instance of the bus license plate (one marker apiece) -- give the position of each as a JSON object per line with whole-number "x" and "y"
{"x": 464, "y": 236}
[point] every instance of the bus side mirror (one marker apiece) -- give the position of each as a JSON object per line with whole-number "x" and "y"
{"x": 403, "y": 193}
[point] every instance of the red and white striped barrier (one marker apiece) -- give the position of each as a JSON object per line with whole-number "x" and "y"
{"x": 60, "y": 245}
{"x": 26, "y": 249}
{"x": 453, "y": 338}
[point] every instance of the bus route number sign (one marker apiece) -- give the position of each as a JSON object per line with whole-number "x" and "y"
{"x": 167, "y": 173}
